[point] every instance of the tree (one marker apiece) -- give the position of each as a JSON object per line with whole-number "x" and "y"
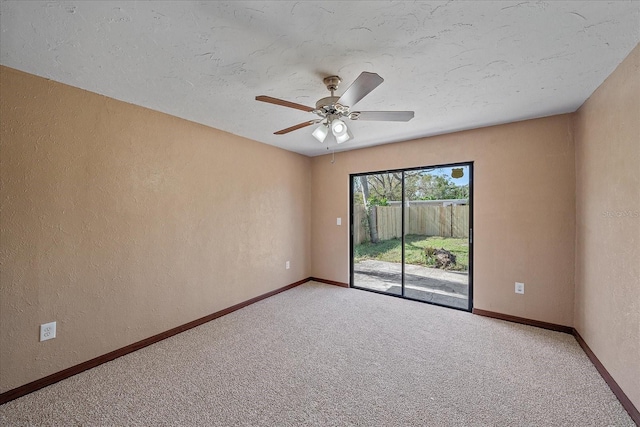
{"x": 371, "y": 212}
{"x": 438, "y": 187}
{"x": 418, "y": 185}
{"x": 386, "y": 185}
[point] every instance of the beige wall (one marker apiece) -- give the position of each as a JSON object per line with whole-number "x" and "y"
{"x": 524, "y": 210}
{"x": 120, "y": 223}
{"x": 607, "y": 300}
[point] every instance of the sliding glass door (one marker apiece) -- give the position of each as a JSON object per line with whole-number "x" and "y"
{"x": 377, "y": 233}
{"x": 411, "y": 234}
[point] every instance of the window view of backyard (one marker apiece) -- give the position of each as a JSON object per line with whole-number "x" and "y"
{"x": 436, "y": 234}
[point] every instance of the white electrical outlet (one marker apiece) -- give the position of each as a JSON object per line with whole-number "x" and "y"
{"x": 519, "y": 288}
{"x": 47, "y": 331}
{"x": 287, "y": 265}
{"x": 339, "y": 221}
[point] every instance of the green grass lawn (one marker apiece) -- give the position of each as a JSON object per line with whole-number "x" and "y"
{"x": 391, "y": 250}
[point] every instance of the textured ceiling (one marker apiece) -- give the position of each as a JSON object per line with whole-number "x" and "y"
{"x": 458, "y": 65}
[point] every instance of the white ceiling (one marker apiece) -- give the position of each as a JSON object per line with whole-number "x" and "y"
{"x": 458, "y": 65}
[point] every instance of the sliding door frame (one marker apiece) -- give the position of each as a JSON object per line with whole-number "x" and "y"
{"x": 470, "y": 164}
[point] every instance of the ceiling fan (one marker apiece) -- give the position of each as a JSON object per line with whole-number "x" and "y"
{"x": 333, "y": 109}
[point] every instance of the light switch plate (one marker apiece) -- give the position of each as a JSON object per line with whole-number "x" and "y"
{"x": 519, "y": 288}
{"x": 339, "y": 221}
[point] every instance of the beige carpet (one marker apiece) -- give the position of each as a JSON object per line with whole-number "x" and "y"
{"x": 320, "y": 355}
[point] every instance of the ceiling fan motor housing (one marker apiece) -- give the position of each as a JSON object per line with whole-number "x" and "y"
{"x": 327, "y": 103}
{"x": 329, "y": 108}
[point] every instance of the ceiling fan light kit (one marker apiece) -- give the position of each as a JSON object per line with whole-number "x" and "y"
{"x": 321, "y": 132}
{"x": 332, "y": 109}
{"x": 338, "y": 127}
{"x": 340, "y": 131}
{"x": 344, "y": 137}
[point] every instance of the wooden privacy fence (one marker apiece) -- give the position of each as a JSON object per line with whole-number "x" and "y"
{"x": 444, "y": 221}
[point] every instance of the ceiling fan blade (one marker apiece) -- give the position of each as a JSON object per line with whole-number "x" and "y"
{"x": 296, "y": 127}
{"x": 365, "y": 83}
{"x": 283, "y": 103}
{"x": 390, "y": 116}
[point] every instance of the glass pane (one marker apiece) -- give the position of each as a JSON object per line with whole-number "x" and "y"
{"x": 377, "y": 232}
{"x": 437, "y": 235}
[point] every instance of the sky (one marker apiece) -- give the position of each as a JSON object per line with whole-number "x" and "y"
{"x": 447, "y": 172}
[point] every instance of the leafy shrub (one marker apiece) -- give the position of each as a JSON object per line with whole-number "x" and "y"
{"x": 378, "y": 201}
